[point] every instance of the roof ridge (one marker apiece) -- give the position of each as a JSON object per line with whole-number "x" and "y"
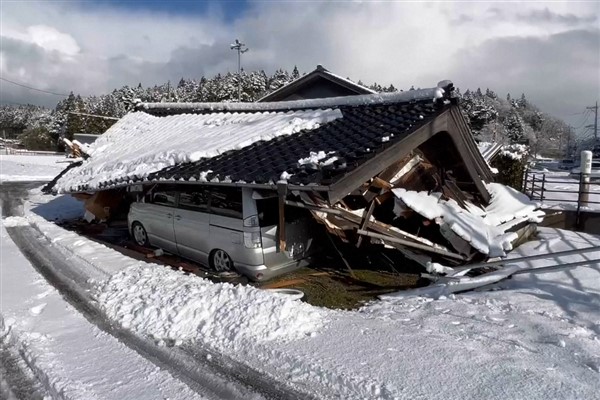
{"x": 319, "y": 71}
{"x": 442, "y": 91}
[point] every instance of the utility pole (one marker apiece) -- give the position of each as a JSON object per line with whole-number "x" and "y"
{"x": 595, "y": 108}
{"x": 569, "y": 137}
{"x": 241, "y": 48}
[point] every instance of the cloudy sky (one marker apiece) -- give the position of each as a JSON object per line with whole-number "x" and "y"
{"x": 548, "y": 50}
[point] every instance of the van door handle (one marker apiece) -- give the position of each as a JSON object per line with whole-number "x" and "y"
{"x": 169, "y": 215}
{"x": 178, "y": 217}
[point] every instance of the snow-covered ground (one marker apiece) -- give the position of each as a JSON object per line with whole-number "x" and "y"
{"x": 535, "y": 336}
{"x": 30, "y": 167}
{"x": 59, "y": 347}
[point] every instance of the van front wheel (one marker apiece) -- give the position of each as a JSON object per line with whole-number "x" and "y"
{"x": 220, "y": 261}
{"x": 139, "y": 234}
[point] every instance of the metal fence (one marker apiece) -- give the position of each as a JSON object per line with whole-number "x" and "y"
{"x": 21, "y": 152}
{"x": 583, "y": 193}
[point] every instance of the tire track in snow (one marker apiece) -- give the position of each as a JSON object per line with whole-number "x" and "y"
{"x": 17, "y": 377}
{"x": 206, "y": 373}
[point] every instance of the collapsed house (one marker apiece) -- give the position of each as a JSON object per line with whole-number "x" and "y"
{"x": 398, "y": 169}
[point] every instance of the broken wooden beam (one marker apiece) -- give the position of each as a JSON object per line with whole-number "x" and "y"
{"x": 312, "y": 208}
{"x": 365, "y": 220}
{"x": 414, "y": 245}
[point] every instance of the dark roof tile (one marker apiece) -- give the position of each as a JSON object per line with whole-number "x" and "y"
{"x": 363, "y": 132}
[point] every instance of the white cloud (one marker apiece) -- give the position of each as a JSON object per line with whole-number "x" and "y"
{"x": 387, "y": 42}
{"x": 47, "y": 37}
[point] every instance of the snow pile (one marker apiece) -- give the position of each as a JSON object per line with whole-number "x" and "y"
{"x": 318, "y": 158}
{"x": 508, "y": 204}
{"x": 169, "y": 305}
{"x": 11, "y": 222}
{"x": 140, "y": 144}
{"x": 54, "y": 352}
{"x": 485, "y": 229}
{"x": 536, "y": 339}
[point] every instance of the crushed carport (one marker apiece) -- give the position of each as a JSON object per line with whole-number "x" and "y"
{"x": 399, "y": 170}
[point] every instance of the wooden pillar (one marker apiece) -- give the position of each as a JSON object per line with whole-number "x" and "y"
{"x": 282, "y": 189}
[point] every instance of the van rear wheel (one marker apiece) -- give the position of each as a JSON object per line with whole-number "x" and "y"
{"x": 220, "y": 261}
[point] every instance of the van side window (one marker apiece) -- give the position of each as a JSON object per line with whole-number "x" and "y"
{"x": 268, "y": 211}
{"x": 164, "y": 198}
{"x": 195, "y": 199}
{"x": 226, "y": 201}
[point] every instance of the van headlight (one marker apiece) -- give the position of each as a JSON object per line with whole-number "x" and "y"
{"x": 252, "y": 240}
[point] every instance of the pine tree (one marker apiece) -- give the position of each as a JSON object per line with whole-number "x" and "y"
{"x": 295, "y": 73}
{"x": 523, "y": 100}
{"x": 514, "y": 127}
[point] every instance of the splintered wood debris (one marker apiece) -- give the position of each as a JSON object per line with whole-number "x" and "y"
{"x": 426, "y": 207}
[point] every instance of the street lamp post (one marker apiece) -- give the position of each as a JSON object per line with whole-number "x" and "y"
{"x": 241, "y": 48}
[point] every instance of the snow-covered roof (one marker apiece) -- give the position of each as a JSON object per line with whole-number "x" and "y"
{"x": 139, "y": 143}
{"x": 488, "y": 150}
{"x": 234, "y": 142}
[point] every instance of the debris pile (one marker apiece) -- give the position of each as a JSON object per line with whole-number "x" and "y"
{"x": 420, "y": 207}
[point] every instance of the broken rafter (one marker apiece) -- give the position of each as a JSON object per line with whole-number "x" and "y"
{"x": 407, "y": 243}
{"x": 312, "y": 208}
{"x": 388, "y": 231}
{"x": 365, "y": 220}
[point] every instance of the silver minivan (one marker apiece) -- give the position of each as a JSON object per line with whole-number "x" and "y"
{"x": 226, "y": 228}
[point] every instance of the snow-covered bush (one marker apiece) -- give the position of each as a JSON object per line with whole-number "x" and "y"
{"x": 37, "y": 139}
{"x": 511, "y": 163}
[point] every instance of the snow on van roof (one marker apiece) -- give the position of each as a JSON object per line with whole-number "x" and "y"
{"x": 140, "y": 144}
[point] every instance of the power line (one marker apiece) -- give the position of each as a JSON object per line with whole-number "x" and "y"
{"x": 36, "y": 89}
{"x": 577, "y": 113}
{"x": 585, "y": 118}
{"x": 595, "y": 108}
